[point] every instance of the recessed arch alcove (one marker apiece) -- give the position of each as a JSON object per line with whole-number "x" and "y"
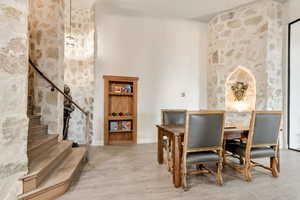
{"x": 240, "y": 90}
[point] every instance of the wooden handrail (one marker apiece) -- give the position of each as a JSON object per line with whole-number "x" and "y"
{"x": 54, "y": 86}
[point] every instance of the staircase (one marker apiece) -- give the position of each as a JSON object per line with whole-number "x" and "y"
{"x": 53, "y": 164}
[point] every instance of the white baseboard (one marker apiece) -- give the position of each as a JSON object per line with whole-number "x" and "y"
{"x": 140, "y": 141}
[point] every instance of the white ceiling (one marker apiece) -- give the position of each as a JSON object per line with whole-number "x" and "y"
{"x": 201, "y": 10}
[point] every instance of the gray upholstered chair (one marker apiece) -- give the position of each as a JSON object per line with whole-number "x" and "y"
{"x": 171, "y": 118}
{"x": 203, "y": 143}
{"x": 262, "y": 142}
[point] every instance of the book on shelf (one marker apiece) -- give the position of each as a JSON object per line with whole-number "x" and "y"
{"x": 126, "y": 125}
{"x": 116, "y": 89}
{"x": 125, "y": 89}
{"x": 113, "y": 126}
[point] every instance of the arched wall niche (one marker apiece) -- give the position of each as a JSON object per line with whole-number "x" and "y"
{"x": 243, "y": 76}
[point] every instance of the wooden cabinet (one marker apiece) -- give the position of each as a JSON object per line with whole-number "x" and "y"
{"x": 120, "y": 110}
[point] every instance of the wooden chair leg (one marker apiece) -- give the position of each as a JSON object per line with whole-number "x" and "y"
{"x": 241, "y": 160}
{"x": 273, "y": 166}
{"x": 278, "y": 159}
{"x": 169, "y": 156}
{"x": 185, "y": 185}
{"x": 224, "y": 154}
{"x": 247, "y": 171}
{"x": 219, "y": 173}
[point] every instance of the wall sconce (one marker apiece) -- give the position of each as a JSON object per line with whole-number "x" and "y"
{"x": 239, "y": 90}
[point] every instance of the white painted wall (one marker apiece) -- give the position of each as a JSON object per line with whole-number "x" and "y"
{"x": 169, "y": 57}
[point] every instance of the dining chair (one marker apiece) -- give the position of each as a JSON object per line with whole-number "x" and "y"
{"x": 173, "y": 117}
{"x": 262, "y": 142}
{"x": 203, "y": 142}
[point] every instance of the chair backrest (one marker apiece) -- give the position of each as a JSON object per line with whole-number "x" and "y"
{"x": 266, "y": 127}
{"x": 204, "y": 129}
{"x": 173, "y": 117}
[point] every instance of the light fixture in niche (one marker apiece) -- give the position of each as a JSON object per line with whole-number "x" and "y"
{"x": 240, "y": 90}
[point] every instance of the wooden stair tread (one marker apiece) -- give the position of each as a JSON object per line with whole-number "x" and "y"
{"x": 47, "y": 158}
{"x": 37, "y": 127}
{"x": 34, "y": 143}
{"x": 66, "y": 169}
{"x": 34, "y": 116}
{"x": 37, "y": 130}
{"x": 60, "y": 175}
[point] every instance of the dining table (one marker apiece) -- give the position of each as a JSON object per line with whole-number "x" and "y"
{"x": 175, "y": 135}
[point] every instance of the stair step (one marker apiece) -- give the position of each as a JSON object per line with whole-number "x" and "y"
{"x": 38, "y": 130}
{"x": 34, "y": 120}
{"x": 34, "y": 116}
{"x": 37, "y": 109}
{"x": 60, "y": 179}
{"x": 41, "y": 166}
{"x": 29, "y": 111}
{"x": 41, "y": 144}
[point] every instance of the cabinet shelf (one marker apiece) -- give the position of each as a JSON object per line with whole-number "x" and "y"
{"x": 120, "y": 118}
{"x": 120, "y": 94}
{"x": 121, "y": 131}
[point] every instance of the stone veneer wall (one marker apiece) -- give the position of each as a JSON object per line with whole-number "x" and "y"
{"x": 251, "y": 37}
{"x": 79, "y": 70}
{"x": 46, "y": 28}
{"x": 13, "y": 96}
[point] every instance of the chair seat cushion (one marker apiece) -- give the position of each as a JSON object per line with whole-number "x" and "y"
{"x": 256, "y": 152}
{"x": 204, "y": 156}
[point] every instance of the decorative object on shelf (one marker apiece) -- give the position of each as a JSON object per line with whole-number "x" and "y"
{"x": 123, "y": 90}
{"x": 126, "y": 125}
{"x": 127, "y": 114}
{"x": 121, "y": 114}
{"x": 239, "y": 90}
{"x": 114, "y": 114}
{"x": 127, "y": 88}
{"x": 116, "y": 89}
{"x": 113, "y": 125}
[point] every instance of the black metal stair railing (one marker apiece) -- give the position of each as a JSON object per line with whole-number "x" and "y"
{"x": 65, "y": 96}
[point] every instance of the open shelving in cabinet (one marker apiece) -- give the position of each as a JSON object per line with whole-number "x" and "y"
{"x": 120, "y": 110}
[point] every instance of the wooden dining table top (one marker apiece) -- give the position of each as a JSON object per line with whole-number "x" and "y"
{"x": 179, "y": 130}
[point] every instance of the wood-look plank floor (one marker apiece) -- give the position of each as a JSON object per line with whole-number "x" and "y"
{"x": 131, "y": 172}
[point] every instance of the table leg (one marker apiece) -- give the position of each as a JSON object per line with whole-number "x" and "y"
{"x": 177, "y": 161}
{"x": 169, "y": 154}
{"x": 160, "y": 153}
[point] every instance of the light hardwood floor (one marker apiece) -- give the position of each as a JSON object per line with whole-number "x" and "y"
{"x": 131, "y": 172}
